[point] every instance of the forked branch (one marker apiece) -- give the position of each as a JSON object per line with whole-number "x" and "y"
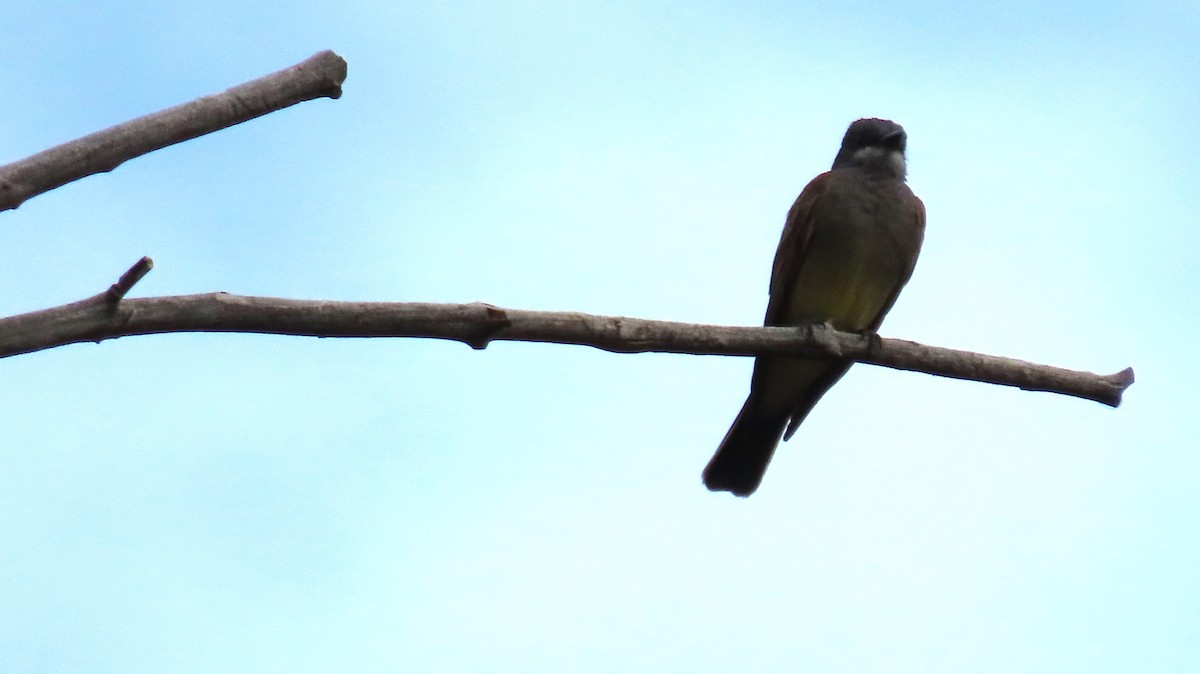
{"x": 105, "y": 316}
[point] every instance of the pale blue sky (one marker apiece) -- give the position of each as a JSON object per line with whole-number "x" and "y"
{"x": 201, "y": 503}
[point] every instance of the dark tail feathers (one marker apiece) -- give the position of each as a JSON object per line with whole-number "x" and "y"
{"x": 741, "y": 460}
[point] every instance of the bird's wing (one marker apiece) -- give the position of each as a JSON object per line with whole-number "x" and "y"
{"x": 793, "y": 246}
{"x": 904, "y": 240}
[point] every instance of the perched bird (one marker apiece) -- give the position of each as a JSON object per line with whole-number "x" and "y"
{"x": 848, "y": 247}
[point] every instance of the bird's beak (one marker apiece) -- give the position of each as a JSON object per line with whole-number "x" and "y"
{"x": 896, "y": 139}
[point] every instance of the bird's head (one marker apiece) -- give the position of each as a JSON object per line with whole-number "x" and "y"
{"x": 874, "y": 145}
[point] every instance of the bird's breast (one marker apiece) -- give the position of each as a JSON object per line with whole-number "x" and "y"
{"x": 852, "y": 268}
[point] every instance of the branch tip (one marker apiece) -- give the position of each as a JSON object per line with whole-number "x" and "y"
{"x": 1119, "y": 381}
{"x": 134, "y": 274}
{"x": 332, "y": 67}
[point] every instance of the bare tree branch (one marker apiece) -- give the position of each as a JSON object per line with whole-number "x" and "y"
{"x": 106, "y": 316}
{"x": 318, "y": 76}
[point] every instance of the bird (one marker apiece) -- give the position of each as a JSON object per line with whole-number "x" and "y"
{"x": 849, "y": 245}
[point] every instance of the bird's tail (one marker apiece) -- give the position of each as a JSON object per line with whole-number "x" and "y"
{"x": 742, "y": 458}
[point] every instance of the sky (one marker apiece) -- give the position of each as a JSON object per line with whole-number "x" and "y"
{"x": 217, "y": 502}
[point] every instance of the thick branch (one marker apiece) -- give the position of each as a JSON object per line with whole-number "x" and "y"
{"x": 100, "y": 317}
{"x": 319, "y": 76}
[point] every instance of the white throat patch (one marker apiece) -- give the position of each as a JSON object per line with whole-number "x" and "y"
{"x": 877, "y": 157}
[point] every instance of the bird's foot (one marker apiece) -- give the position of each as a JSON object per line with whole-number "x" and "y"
{"x": 873, "y": 342}
{"x": 824, "y": 336}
